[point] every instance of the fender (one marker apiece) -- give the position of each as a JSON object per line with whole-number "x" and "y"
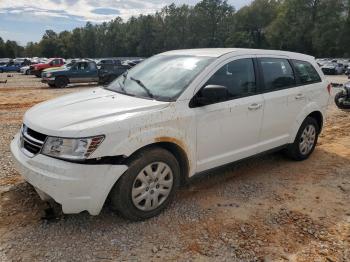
{"x": 147, "y": 136}
{"x": 307, "y": 110}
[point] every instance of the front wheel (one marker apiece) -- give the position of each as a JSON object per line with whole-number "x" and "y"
{"x": 148, "y": 186}
{"x": 61, "y": 82}
{"x": 305, "y": 141}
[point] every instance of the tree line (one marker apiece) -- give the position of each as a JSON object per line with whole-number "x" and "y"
{"x": 317, "y": 27}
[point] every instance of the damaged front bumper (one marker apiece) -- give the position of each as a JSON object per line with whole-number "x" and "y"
{"x": 77, "y": 187}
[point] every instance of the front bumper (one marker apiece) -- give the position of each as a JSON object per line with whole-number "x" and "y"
{"x": 77, "y": 187}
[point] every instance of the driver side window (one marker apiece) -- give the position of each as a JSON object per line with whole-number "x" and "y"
{"x": 237, "y": 76}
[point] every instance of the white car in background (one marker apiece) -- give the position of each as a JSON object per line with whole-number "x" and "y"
{"x": 25, "y": 70}
{"x": 174, "y": 115}
{"x": 333, "y": 68}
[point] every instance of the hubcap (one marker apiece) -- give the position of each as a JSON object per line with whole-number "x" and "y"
{"x": 307, "y": 139}
{"x": 152, "y": 186}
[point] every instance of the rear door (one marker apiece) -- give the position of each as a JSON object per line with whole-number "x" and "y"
{"x": 310, "y": 83}
{"x": 282, "y": 101}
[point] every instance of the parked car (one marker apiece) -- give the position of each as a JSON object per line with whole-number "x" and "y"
{"x": 38, "y": 68}
{"x": 347, "y": 72}
{"x": 109, "y": 72}
{"x": 25, "y": 70}
{"x": 83, "y": 71}
{"x": 10, "y": 67}
{"x": 4, "y": 61}
{"x": 132, "y": 63}
{"x": 333, "y": 68}
{"x": 174, "y": 115}
{"x": 109, "y": 61}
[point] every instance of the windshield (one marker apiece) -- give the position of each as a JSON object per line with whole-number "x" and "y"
{"x": 162, "y": 77}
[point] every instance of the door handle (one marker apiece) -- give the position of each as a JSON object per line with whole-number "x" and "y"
{"x": 254, "y": 106}
{"x": 299, "y": 96}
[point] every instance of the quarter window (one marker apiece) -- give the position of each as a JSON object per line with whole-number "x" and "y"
{"x": 278, "y": 73}
{"x": 237, "y": 76}
{"x": 306, "y": 72}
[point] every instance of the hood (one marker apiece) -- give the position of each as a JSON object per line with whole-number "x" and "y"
{"x": 55, "y": 69}
{"x": 72, "y": 114}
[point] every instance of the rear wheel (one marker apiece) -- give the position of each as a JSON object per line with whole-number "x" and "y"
{"x": 61, "y": 82}
{"x": 27, "y": 72}
{"x": 51, "y": 85}
{"x": 1, "y": 70}
{"x": 305, "y": 141}
{"x": 148, "y": 186}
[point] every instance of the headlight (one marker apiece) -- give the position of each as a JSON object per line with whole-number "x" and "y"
{"x": 48, "y": 74}
{"x": 71, "y": 148}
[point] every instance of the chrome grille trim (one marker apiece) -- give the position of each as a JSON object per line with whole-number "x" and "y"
{"x": 29, "y": 145}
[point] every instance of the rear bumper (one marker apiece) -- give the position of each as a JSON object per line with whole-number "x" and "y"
{"x": 77, "y": 187}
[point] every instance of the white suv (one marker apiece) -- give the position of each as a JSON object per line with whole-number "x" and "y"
{"x": 172, "y": 116}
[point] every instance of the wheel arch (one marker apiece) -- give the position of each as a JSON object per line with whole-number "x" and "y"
{"x": 317, "y": 115}
{"x": 175, "y": 149}
{"x": 311, "y": 110}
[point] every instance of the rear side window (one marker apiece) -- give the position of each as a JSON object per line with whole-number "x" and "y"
{"x": 306, "y": 72}
{"x": 277, "y": 72}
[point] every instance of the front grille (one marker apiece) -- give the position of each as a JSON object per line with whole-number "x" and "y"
{"x": 31, "y": 141}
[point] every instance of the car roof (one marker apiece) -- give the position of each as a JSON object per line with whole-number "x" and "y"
{"x": 217, "y": 52}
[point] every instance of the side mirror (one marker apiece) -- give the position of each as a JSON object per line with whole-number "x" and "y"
{"x": 211, "y": 94}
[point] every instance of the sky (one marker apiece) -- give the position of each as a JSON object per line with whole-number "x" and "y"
{"x": 27, "y": 20}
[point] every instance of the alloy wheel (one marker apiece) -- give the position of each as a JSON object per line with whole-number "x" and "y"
{"x": 307, "y": 140}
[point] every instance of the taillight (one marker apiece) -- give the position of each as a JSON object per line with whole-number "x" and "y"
{"x": 329, "y": 87}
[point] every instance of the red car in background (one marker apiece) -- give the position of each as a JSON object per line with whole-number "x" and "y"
{"x": 38, "y": 68}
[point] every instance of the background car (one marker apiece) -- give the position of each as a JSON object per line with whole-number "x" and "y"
{"x": 333, "y": 68}
{"x": 38, "y": 68}
{"x": 10, "y": 67}
{"x": 25, "y": 70}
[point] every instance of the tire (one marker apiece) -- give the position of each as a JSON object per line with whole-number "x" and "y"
{"x": 1, "y": 71}
{"x": 135, "y": 181}
{"x": 308, "y": 133}
{"x": 51, "y": 85}
{"x": 341, "y": 102}
{"x": 61, "y": 82}
{"x": 27, "y": 72}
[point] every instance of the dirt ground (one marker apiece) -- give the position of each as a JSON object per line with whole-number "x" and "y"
{"x": 264, "y": 209}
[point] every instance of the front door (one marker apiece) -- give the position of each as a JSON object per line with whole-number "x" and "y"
{"x": 80, "y": 73}
{"x": 229, "y": 130}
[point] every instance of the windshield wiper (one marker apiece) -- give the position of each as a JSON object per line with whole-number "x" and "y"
{"x": 125, "y": 74}
{"x": 139, "y": 82}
